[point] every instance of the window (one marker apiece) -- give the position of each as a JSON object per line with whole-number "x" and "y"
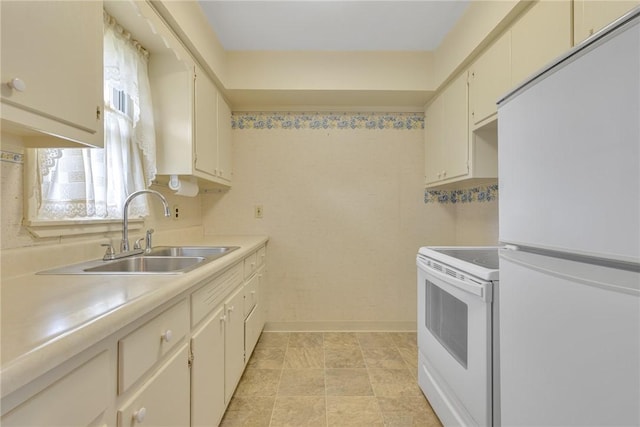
{"x": 91, "y": 183}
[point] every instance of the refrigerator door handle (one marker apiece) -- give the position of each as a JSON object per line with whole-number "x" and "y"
{"x": 614, "y": 280}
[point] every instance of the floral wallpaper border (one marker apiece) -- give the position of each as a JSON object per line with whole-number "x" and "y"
{"x": 485, "y": 193}
{"x": 323, "y": 121}
{"x": 7, "y": 156}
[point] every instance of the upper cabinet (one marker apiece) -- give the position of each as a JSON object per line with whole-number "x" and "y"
{"x": 193, "y": 122}
{"x": 460, "y": 124}
{"x": 205, "y": 126}
{"x": 51, "y": 58}
{"x": 589, "y": 16}
{"x": 447, "y": 137}
{"x": 212, "y": 132}
{"x": 538, "y": 37}
{"x": 453, "y": 152}
{"x": 225, "y": 163}
{"x": 489, "y": 78}
{"x": 192, "y": 119}
{"x": 541, "y": 34}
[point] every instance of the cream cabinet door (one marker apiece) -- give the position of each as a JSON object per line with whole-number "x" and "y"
{"x": 447, "y": 133}
{"x": 207, "y": 372}
{"x": 434, "y": 141}
{"x": 489, "y": 79}
{"x": 52, "y": 52}
{"x": 164, "y": 399}
{"x": 254, "y": 324}
{"x": 456, "y": 129}
{"x": 206, "y": 126}
{"x": 233, "y": 342}
{"x": 593, "y": 15}
{"x": 224, "y": 140}
{"x": 540, "y": 35}
{"x": 79, "y": 398}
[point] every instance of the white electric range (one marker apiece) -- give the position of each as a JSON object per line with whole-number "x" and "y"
{"x": 457, "y": 332}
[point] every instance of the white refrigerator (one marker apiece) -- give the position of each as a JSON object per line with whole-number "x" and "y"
{"x": 569, "y": 177}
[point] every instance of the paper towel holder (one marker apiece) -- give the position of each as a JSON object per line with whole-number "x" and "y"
{"x": 184, "y": 188}
{"x": 174, "y": 182}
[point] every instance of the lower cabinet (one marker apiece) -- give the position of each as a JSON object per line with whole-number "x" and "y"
{"x": 254, "y": 312}
{"x": 160, "y": 370}
{"x": 233, "y": 342}
{"x": 163, "y": 400}
{"x": 207, "y": 371}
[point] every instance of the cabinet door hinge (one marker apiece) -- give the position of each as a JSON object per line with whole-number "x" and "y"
{"x": 98, "y": 113}
{"x": 190, "y": 360}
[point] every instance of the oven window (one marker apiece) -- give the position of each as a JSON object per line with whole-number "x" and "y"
{"x": 446, "y": 318}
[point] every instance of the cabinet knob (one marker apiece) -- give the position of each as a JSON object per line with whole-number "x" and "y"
{"x": 140, "y": 414}
{"x": 230, "y": 309}
{"x": 167, "y": 335}
{"x": 17, "y": 84}
{"x": 444, "y": 173}
{"x": 223, "y": 318}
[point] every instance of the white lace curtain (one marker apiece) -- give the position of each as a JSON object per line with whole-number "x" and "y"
{"x": 93, "y": 183}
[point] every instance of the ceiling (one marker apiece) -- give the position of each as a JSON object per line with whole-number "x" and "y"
{"x": 348, "y": 25}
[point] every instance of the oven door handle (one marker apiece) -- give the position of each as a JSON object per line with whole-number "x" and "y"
{"x": 480, "y": 290}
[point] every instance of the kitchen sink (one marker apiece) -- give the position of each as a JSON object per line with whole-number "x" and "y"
{"x": 147, "y": 264}
{"x": 160, "y": 260}
{"x": 192, "y": 251}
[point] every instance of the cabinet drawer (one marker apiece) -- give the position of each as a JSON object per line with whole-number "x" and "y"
{"x": 211, "y": 295}
{"x": 250, "y": 264}
{"x": 250, "y": 295}
{"x": 144, "y": 347}
{"x": 79, "y": 398}
{"x": 164, "y": 399}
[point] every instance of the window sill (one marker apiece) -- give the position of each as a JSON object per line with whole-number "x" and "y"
{"x": 41, "y": 228}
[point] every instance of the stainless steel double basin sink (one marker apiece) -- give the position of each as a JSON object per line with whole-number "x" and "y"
{"x": 160, "y": 260}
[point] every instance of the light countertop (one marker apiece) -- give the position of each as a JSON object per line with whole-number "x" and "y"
{"x": 47, "y": 319}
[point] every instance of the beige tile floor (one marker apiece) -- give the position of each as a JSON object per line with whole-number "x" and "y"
{"x": 331, "y": 379}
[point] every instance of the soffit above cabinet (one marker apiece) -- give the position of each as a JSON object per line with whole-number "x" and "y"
{"x": 327, "y": 100}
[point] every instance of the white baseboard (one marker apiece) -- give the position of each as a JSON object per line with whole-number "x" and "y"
{"x": 341, "y": 326}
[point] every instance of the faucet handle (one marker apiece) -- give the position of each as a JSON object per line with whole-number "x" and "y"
{"x": 110, "y": 253}
{"x": 137, "y": 244}
{"x": 148, "y": 239}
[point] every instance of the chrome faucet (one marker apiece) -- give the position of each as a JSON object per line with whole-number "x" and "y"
{"x": 124, "y": 244}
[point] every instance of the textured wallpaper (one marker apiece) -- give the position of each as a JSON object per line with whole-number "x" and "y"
{"x": 322, "y": 121}
{"x": 484, "y": 193}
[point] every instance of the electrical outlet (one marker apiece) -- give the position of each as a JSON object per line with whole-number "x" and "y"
{"x": 175, "y": 212}
{"x": 258, "y": 211}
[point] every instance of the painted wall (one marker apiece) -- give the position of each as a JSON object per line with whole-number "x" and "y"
{"x": 344, "y": 207}
{"x": 343, "y": 204}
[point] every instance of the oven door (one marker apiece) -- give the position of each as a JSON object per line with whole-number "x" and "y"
{"x": 454, "y": 339}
